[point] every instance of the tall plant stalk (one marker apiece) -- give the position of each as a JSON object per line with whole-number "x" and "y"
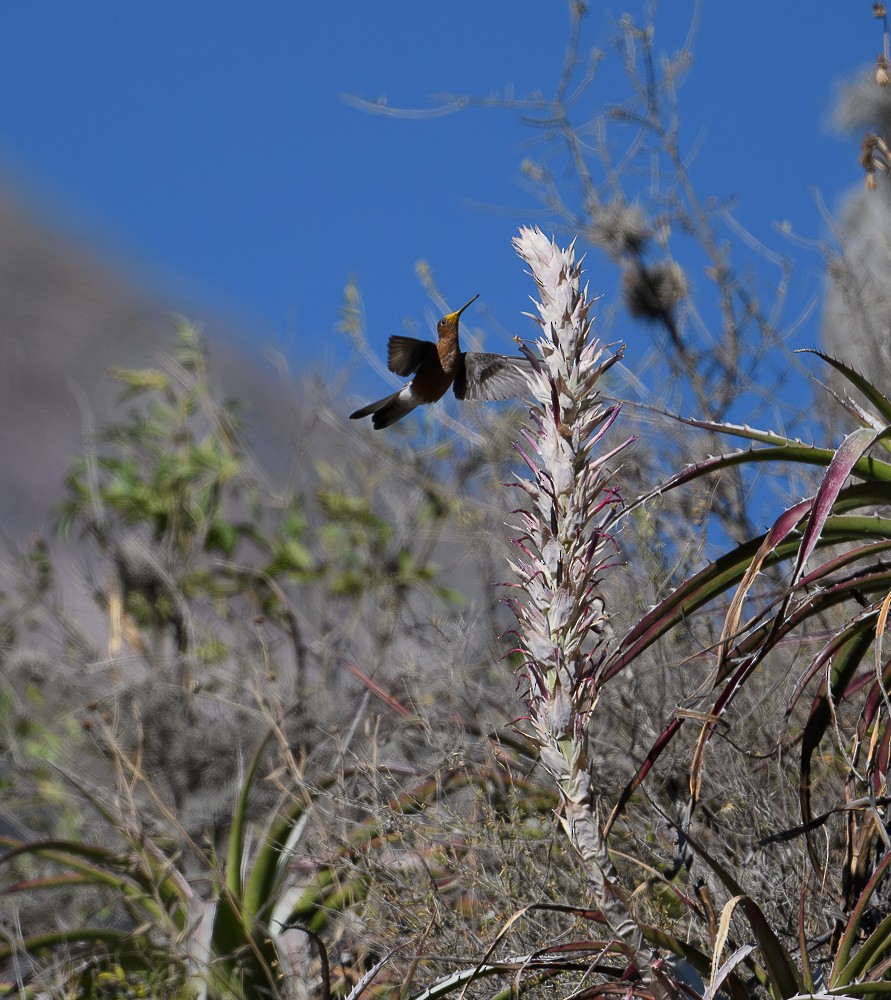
{"x": 565, "y": 547}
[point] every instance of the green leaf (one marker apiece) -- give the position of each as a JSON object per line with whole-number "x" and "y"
{"x": 846, "y": 969}
{"x": 141, "y": 379}
{"x": 860, "y": 382}
{"x": 222, "y": 536}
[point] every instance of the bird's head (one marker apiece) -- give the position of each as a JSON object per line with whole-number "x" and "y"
{"x": 449, "y": 324}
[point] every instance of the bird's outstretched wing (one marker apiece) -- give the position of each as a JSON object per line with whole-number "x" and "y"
{"x": 405, "y": 354}
{"x": 492, "y": 376}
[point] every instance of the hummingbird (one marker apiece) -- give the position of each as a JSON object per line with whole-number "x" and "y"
{"x": 471, "y": 374}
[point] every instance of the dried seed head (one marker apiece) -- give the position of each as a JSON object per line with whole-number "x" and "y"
{"x": 620, "y": 228}
{"x": 882, "y": 70}
{"x": 878, "y": 10}
{"x": 654, "y": 292}
{"x": 868, "y": 148}
{"x": 532, "y": 170}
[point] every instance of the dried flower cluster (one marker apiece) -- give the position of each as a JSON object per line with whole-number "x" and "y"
{"x": 653, "y": 292}
{"x": 565, "y": 530}
{"x": 565, "y": 545}
{"x": 874, "y": 155}
{"x": 620, "y": 227}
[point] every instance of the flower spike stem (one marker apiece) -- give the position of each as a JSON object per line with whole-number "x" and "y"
{"x": 564, "y": 547}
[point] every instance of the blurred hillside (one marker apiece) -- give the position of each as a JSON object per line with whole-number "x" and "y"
{"x": 66, "y": 317}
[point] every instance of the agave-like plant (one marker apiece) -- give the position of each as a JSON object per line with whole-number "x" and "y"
{"x": 826, "y": 554}
{"x": 245, "y": 935}
{"x": 231, "y": 943}
{"x": 840, "y": 513}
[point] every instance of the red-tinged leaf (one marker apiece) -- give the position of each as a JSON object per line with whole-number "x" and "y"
{"x": 881, "y": 624}
{"x": 48, "y": 882}
{"x": 812, "y": 606}
{"x": 778, "y": 533}
{"x": 749, "y": 653}
{"x": 817, "y": 665}
{"x": 880, "y": 771}
{"x": 787, "y": 453}
{"x": 857, "y": 684}
{"x": 664, "y": 738}
{"x": 848, "y": 453}
{"x": 816, "y": 604}
{"x": 872, "y": 470}
{"x": 860, "y": 554}
{"x": 851, "y": 406}
{"x": 874, "y": 698}
{"x": 730, "y": 568}
{"x": 682, "y": 602}
{"x": 851, "y": 645}
{"x": 875, "y": 579}
{"x": 792, "y": 451}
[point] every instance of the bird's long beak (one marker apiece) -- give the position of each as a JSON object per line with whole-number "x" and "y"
{"x": 466, "y": 304}
{"x": 455, "y": 315}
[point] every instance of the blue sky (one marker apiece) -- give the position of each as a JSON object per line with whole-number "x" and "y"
{"x": 209, "y": 146}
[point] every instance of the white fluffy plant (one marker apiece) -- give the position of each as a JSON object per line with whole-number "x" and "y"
{"x": 565, "y": 545}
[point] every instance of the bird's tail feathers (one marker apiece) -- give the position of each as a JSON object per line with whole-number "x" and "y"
{"x": 384, "y": 411}
{"x": 372, "y": 407}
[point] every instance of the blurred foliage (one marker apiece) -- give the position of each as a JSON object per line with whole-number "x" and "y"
{"x": 227, "y": 608}
{"x": 173, "y": 496}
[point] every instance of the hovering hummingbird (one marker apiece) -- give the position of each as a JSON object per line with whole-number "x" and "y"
{"x": 435, "y": 367}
